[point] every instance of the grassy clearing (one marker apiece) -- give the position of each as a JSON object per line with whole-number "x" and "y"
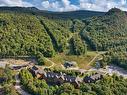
{"x": 81, "y": 60}
{"x": 47, "y": 63}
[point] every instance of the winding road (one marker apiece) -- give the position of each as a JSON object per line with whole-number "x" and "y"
{"x": 93, "y": 59}
{"x": 75, "y": 68}
{"x": 99, "y": 53}
{"x": 50, "y": 62}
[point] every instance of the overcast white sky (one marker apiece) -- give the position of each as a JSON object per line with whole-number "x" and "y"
{"x": 68, "y": 5}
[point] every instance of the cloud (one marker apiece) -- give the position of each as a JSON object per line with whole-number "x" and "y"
{"x": 68, "y": 5}
{"x": 96, "y": 5}
{"x": 66, "y": 2}
{"x": 45, "y": 4}
{"x": 123, "y": 2}
{"x": 14, "y": 3}
{"x": 61, "y": 5}
{"x": 102, "y": 5}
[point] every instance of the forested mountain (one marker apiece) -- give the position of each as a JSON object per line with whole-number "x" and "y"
{"x": 29, "y": 31}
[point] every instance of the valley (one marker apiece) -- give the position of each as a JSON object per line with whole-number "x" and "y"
{"x": 62, "y": 53}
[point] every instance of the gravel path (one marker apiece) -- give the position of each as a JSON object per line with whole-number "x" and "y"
{"x": 50, "y": 62}
{"x": 99, "y": 53}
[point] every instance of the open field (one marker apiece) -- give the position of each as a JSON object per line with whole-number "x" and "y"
{"x": 82, "y": 61}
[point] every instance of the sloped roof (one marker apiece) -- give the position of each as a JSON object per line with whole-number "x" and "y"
{"x": 68, "y": 78}
{"x": 52, "y": 75}
{"x": 34, "y": 68}
{"x": 96, "y": 76}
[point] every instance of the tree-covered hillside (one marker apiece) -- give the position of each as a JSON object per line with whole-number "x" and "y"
{"x": 22, "y": 34}
{"x": 108, "y": 33}
{"x": 29, "y": 34}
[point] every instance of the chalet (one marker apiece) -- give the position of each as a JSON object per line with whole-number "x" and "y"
{"x": 17, "y": 67}
{"x": 68, "y": 64}
{"x": 59, "y": 78}
{"x": 52, "y": 77}
{"x": 34, "y": 70}
{"x": 73, "y": 80}
{"x": 55, "y": 78}
{"x": 40, "y": 74}
{"x": 93, "y": 78}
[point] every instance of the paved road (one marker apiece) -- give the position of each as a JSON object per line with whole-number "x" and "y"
{"x": 112, "y": 69}
{"x": 18, "y": 86}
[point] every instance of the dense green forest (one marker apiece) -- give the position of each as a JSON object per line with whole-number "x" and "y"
{"x": 26, "y": 34}
{"x": 22, "y": 34}
{"x": 6, "y": 81}
{"x": 108, "y": 33}
{"x": 107, "y": 86}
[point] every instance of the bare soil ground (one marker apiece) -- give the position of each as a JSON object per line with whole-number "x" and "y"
{"x": 12, "y": 61}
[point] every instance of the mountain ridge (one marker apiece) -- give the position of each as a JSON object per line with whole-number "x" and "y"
{"x": 79, "y": 14}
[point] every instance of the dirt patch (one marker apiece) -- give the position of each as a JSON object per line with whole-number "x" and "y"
{"x": 17, "y": 61}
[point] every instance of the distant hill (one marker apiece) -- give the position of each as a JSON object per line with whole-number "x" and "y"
{"x": 81, "y": 14}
